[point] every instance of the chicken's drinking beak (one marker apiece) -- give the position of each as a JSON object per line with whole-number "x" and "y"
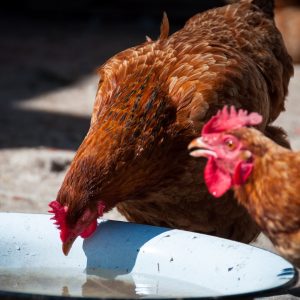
{"x": 66, "y": 247}
{"x": 200, "y": 148}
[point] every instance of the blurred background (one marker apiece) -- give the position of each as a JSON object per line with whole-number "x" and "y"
{"x": 49, "y": 53}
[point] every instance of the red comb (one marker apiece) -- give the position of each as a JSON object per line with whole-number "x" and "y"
{"x": 59, "y": 212}
{"x": 228, "y": 119}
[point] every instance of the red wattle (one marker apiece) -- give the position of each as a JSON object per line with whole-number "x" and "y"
{"x": 242, "y": 172}
{"x": 218, "y": 182}
{"x": 89, "y": 230}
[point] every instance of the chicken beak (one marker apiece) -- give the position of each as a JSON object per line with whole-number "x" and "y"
{"x": 200, "y": 148}
{"x": 66, "y": 247}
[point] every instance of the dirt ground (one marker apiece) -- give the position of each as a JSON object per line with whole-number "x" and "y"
{"x": 46, "y": 105}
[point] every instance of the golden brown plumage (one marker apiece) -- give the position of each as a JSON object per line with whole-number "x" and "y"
{"x": 271, "y": 195}
{"x": 154, "y": 98}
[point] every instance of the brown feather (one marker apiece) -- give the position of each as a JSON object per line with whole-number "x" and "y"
{"x": 271, "y": 194}
{"x": 164, "y": 28}
{"x": 153, "y": 99}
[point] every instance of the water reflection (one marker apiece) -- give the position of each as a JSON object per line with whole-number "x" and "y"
{"x": 96, "y": 286}
{"x": 105, "y": 284}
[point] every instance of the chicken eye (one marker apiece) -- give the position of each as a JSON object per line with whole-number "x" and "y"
{"x": 230, "y": 144}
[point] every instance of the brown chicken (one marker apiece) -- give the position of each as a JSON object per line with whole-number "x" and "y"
{"x": 265, "y": 177}
{"x": 151, "y": 101}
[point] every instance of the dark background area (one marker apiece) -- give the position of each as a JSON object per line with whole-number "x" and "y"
{"x": 47, "y": 45}
{"x": 109, "y": 10}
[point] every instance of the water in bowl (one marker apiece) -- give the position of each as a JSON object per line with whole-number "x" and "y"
{"x": 96, "y": 283}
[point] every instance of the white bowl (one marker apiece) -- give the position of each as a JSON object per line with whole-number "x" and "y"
{"x": 126, "y": 260}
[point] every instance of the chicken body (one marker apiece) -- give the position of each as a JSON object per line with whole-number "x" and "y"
{"x": 154, "y": 98}
{"x": 271, "y": 193}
